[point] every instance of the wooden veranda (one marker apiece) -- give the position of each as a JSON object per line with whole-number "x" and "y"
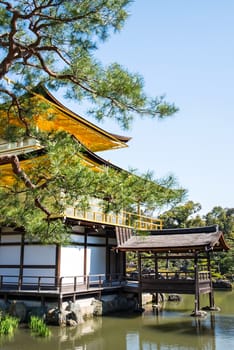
{"x": 195, "y": 244}
{"x": 59, "y": 289}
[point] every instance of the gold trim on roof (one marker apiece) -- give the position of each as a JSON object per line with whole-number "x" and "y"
{"x": 56, "y": 117}
{"x": 91, "y": 136}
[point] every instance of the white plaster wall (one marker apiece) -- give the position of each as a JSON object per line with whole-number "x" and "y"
{"x": 12, "y": 275}
{"x": 9, "y": 255}
{"x": 31, "y": 276}
{"x": 39, "y": 272}
{"x": 9, "y": 272}
{"x": 39, "y": 255}
{"x": 72, "y": 263}
{"x": 96, "y": 261}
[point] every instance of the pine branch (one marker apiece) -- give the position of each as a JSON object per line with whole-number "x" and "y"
{"x": 15, "y": 163}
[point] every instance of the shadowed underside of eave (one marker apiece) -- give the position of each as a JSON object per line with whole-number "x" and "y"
{"x": 38, "y": 157}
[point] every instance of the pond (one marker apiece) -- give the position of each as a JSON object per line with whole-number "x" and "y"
{"x": 171, "y": 328}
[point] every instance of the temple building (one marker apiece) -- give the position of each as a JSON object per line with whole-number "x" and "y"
{"x": 94, "y": 262}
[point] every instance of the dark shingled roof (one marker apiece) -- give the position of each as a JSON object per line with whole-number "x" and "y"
{"x": 177, "y": 240}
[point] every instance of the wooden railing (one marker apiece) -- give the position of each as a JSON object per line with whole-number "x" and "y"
{"x": 61, "y": 284}
{"x": 173, "y": 275}
{"x": 204, "y": 276}
{"x": 140, "y": 222}
{"x": 162, "y": 282}
{"x": 175, "y": 282}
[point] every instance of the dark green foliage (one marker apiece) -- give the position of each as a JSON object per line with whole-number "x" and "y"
{"x": 53, "y": 43}
{"x": 182, "y": 216}
{"x": 66, "y": 182}
{"x": 38, "y": 327}
{"x": 8, "y": 324}
{"x": 224, "y": 218}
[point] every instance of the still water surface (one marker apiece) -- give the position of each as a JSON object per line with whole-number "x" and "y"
{"x": 171, "y": 329}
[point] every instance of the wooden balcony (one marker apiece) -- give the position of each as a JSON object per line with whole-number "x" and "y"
{"x": 175, "y": 282}
{"x": 130, "y": 220}
{"x": 68, "y": 285}
{"x": 53, "y": 286}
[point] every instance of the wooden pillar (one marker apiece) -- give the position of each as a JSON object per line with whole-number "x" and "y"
{"x": 85, "y": 255}
{"x": 197, "y": 294}
{"x": 57, "y": 265}
{"x": 123, "y": 273}
{"x": 139, "y": 265}
{"x": 21, "y": 267}
{"x": 156, "y": 265}
{"x": 211, "y": 294}
{"x": 139, "y": 281}
{"x": 156, "y": 276}
{"x": 60, "y": 301}
{"x": 107, "y": 258}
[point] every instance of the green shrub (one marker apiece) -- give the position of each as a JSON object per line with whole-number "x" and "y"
{"x": 8, "y": 324}
{"x": 38, "y": 327}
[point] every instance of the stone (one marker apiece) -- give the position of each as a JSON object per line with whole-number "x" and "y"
{"x": 55, "y": 317}
{"x": 97, "y": 304}
{"x": 211, "y": 308}
{"x": 75, "y": 311}
{"x": 112, "y": 303}
{"x": 38, "y": 311}
{"x": 199, "y": 313}
{"x": 222, "y": 284}
{"x": 174, "y": 297}
{"x": 71, "y": 323}
{"x": 4, "y": 306}
{"x": 19, "y": 310}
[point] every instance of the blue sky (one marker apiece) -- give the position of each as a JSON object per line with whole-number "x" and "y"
{"x": 184, "y": 49}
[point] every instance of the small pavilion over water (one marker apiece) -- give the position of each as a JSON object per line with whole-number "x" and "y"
{"x": 194, "y": 244}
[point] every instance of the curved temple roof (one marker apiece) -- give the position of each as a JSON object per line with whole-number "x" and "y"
{"x": 90, "y": 135}
{"x": 58, "y": 117}
{"x": 177, "y": 241}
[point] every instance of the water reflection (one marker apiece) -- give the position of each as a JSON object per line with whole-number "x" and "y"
{"x": 171, "y": 329}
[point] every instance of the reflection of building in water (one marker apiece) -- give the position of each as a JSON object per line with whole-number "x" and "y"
{"x": 193, "y": 334}
{"x": 145, "y": 334}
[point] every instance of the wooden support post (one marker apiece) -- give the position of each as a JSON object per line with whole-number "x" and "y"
{"x": 197, "y": 294}
{"x": 139, "y": 281}
{"x": 139, "y": 265}
{"x": 124, "y": 265}
{"x": 60, "y": 301}
{"x": 211, "y": 294}
{"x": 5, "y": 298}
{"x": 156, "y": 265}
{"x": 75, "y": 283}
{"x": 156, "y": 276}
